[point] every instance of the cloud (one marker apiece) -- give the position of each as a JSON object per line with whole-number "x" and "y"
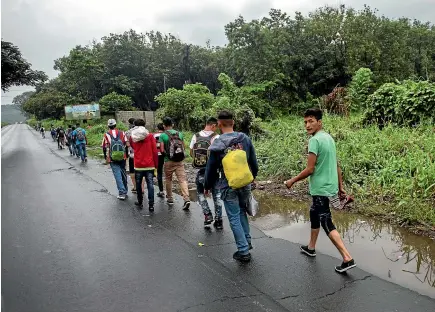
{"x": 47, "y": 29}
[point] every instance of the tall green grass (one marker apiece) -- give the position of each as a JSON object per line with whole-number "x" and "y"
{"x": 390, "y": 171}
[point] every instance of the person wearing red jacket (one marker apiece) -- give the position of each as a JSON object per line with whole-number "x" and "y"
{"x": 145, "y": 161}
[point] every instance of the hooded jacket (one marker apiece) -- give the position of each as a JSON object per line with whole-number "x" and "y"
{"x": 214, "y": 173}
{"x": 145, "y": 149}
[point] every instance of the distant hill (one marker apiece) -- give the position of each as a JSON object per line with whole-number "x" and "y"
{"x": 11, "y": 114}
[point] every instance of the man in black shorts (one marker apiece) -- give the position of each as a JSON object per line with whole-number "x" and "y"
{"x": 325, "y": 182}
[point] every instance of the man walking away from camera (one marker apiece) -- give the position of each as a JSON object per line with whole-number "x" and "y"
{"x": 232, "y": 164}
{"x": 160, "y": 130}
{"x": 145, "y": 161}
{"x": 173, "y": 147}
{"x": 81, "y": 142}
{"x": 115, "y": 142}
{"x": 130, "y": 154}
{"x": 199, "y": 146}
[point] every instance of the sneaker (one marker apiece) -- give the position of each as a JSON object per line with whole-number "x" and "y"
{"x": 170, "y": 201}
{"x": 86, "y": 160}
{"x": 151, "y": 208}
{"x": 308, "y": 252}
{"x": 186, "y": 205}
{"x": 121, "y": 197}
{"x": 345, "y": 266}
{"x": 138, "y": 204}
{"x": 242, "y": 258}
{"x": 208, "y": 219}
{"x": 250, "y": 246}
{"x": 161, "y": 194}
{"x": 218, "y": 224}
{"x": 134, "y": 191}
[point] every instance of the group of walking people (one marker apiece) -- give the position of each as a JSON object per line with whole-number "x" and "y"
{"x": 74, "y": 137}
{"x": 76, "y": 141}
{"x": 226, "y": 166}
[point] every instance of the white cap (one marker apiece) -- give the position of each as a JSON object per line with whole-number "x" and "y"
{"x": 111, "y": 122}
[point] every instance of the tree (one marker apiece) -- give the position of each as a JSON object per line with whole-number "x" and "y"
{"x": 113, "y": 102}
{"x": 16, "y": 71}
{"x": 21, "y": 99}
{"x": 48, "y": 104}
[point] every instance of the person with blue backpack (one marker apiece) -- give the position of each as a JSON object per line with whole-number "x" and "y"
{"x": 115, "y": 142}
{"x": 79, "y": 135}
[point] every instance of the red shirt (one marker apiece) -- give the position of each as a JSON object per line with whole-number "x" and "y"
{"x": 145, "y": 153}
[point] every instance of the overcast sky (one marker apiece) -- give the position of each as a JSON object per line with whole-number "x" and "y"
{"x": 47, "y": 29}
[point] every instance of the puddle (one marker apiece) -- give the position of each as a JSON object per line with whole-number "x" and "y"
{"x": 384, "y": 250}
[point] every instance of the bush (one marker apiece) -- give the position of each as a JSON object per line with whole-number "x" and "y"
{"x": 336, "y": 102}
{"x": 189, "y": 107}
{"x": 394, "y": 166}
{"x": 360, "y": 88}
{"x": 403, "y": 103}
{"x": 113, "y": 102}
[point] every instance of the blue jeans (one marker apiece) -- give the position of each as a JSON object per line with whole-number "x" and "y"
{"x": 120, "y": 174}
{"x": 81, "y": 148}
{"x": 216, "y": 193}
{"x": 149, "y": 179}
{"x": 71, "y": 148}
{"x": 235, "y": 202}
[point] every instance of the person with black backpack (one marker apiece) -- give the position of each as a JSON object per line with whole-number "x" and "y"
{"x": 60, "y": 138}
{"x": 69, "y": 140}
{"x": 115, "y": 142}
{"x": 173, "y": 148}
{"x": 199, "y": 145}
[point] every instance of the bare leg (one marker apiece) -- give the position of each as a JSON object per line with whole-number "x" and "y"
{"x": 335, "y": 238}
{"x": 313, "y": 238}
{"x": 133, "y": 179}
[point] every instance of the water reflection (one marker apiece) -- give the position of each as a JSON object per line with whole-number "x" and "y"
{"x": 390, "y": 252}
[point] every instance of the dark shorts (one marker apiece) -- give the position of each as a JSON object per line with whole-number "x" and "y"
{"x": 320, "y": 214}
{"x": 131, "y": 165}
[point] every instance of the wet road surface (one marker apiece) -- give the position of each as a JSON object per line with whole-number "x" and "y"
{"x": 69, "y": 245}
{"x": 387, "y": 251}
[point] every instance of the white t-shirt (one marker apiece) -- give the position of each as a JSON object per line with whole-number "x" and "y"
{"x": 202, "y": 133}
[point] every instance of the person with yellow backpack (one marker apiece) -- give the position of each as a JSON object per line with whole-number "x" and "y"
{"x": 232, "y": 166}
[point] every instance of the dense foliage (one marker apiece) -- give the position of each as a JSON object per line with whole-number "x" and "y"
{"x": 360, "y": 88}
{"x": 16, "y": 71}
{"x": 293, "y": 58}
{"x": 113, "y": 102}
{"x": 191, "y": 106}
{"x": 405, "y": 103}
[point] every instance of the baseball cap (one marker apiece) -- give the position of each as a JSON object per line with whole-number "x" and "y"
{"x": 111, "y": 122}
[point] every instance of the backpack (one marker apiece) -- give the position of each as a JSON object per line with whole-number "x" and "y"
{"x": 61, "y": 133}
{"x": 175, "y": 147}
{"x": 236, "y": 168}
{"x": 116, "y": 147}
{"x": 200, "y": 150}
{"x": 80, "y": 135}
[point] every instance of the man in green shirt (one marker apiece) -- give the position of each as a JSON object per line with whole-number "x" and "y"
{"x": 173, "y": 148}
{"x": 325, "y": 181}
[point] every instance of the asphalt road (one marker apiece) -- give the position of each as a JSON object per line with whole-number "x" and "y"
{"x": 69, "y": 245}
